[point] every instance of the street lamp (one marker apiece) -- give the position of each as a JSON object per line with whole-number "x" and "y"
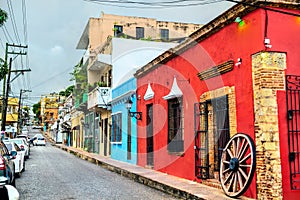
{"x": 137, "y": 115}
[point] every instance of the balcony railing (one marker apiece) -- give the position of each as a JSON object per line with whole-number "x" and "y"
{"x": 99, "y": 97}
{"x": 80, "y": 100}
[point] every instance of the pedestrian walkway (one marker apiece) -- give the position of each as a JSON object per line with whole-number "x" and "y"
{"x": 177, "y": 187}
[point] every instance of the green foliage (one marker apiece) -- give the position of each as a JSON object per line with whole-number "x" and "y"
{"x": 36, "y": 109}
{"x": 3, "y": 69}
{"x": 67, "y": 92}
{"x": 3, "y": 17}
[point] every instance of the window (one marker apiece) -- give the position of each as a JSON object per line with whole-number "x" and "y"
{"x": 175, "y": 130}
{"x": 118, "y": 30}
{"x": 139, "y": 32}
{"x": 164, "y": 34}
{"x": 116, "y": 128}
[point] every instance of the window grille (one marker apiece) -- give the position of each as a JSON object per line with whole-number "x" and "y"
{"x": 175, "y": 130}
{"x": 139, "y": 32}
{"x": 293, "y": 121}
{"x": 118, "y": 30}
{"x": 116, "y": 128}
{"x": 164, "y": 34}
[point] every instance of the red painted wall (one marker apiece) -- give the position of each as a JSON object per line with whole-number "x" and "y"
{"x": 230, "y": 43}
{"x": 284, "y": 34}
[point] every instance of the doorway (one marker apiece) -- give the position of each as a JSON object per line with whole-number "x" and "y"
{"x": 150, "y": 156}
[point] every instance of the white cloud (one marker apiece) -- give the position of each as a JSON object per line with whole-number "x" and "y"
{"x": 56, "y": 50}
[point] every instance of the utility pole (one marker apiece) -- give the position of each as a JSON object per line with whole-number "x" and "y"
{"x": 19, "y": 110}
{"x": 7, "y": 82}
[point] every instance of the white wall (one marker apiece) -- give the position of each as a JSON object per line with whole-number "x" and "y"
{"x": 129, "y": 55}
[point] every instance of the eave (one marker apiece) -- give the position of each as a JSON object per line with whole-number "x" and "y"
{"x": 84, "y": 39}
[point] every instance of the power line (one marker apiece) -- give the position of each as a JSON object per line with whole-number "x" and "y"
{"x": 13, "y": 21}
{"x": 153, "y": 5}
{"x": 6, "y": 34}
{"x": 51, "y": 78}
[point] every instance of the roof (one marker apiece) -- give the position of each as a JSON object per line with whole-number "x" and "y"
{"x": 239, "y": 10}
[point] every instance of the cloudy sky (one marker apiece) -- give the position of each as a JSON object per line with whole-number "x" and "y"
{"x": 53, "y": 29}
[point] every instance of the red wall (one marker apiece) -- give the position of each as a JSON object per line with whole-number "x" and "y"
{"x": 284, "y": 34}
{"x": 230, "y": 43}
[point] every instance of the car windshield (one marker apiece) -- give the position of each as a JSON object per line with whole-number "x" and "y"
{"x": 18, "y": 141}
{"x": 38, "y": 135}
{"x": 8, "y": 146}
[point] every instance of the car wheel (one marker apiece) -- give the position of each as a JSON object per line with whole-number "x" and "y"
{"x": 23, "y": 166}
{"x": 18, "y": 175}
{"x": 13, "y": 183}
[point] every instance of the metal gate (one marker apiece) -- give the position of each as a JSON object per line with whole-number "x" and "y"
{"x": 218, "y": 138}
{"x": 201, "y": 140}
{"x": 293, "y": 119}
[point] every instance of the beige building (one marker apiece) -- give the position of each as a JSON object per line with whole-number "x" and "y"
{"x": 97, "y": 40}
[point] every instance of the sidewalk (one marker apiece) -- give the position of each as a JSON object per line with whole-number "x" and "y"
{"x": 175, "y": 186}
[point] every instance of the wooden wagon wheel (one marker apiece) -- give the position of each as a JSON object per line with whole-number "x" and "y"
{"x": 237, "y": 165}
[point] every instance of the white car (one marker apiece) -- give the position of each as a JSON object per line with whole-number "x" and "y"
{"x": 24, "y": 130}
{"x": 24, "y": 146}
{"x": 19, "y": 159}
{"x": 39, "y": 140}
{"x": 25, "y": 137}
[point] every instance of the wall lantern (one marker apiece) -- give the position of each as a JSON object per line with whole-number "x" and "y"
{"x": 137, "y": 115}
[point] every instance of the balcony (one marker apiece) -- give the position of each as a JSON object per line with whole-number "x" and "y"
{"x": 99, "y": 97}
{"x": 80, "y": 101}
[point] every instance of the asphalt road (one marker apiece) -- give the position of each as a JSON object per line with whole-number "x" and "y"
{"x": 54, "y": 174}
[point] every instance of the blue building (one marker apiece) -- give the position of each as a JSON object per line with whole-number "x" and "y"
{"x": 124, "y": 127}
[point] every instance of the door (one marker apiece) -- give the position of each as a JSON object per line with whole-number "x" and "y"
{"x": 221, "y": 132}
{"x": 150, "y": 156}
{"x": 129, "y": 138}
{"x": 211, "y": 125}
{"x": 105, "y": 122}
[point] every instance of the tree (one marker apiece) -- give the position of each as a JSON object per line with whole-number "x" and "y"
{"x": 36, "y": 109}
{"x": 3, "y": 69}
{"x": 68, "y": 91}
{"x": 3, "y": 17}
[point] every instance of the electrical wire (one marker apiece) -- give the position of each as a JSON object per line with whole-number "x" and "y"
{"x": 13, "y": 21}
{"x": 153, "y": 5}
{"x": 6, "y": 34}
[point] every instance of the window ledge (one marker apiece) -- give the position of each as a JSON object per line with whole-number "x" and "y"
{"x": 181, "y": 154}
{"x": 116, "y": 142}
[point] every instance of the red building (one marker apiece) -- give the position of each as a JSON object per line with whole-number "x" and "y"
{"x": 237, "y": 74}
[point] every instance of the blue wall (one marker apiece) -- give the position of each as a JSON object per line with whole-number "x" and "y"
{"x": 119, "y": 150}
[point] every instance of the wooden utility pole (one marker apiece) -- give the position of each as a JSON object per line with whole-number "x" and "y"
{"x": 6, "y": 83}
{"x": 19, "y": 110}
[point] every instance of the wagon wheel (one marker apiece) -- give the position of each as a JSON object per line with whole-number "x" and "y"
{"x": 237, "y": 165}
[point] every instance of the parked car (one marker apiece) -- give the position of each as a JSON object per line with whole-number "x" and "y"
{"x": 36, "y": 127}
{"x": 24, "y": 146}
{"x": 19, "y": 159}
{"x": 7, "y": 165}
{"x": 8, "y": 191}
{"x": 39, "y": 140}
{"x": 26, "y": 137}
{"x": 24, "y": 130}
